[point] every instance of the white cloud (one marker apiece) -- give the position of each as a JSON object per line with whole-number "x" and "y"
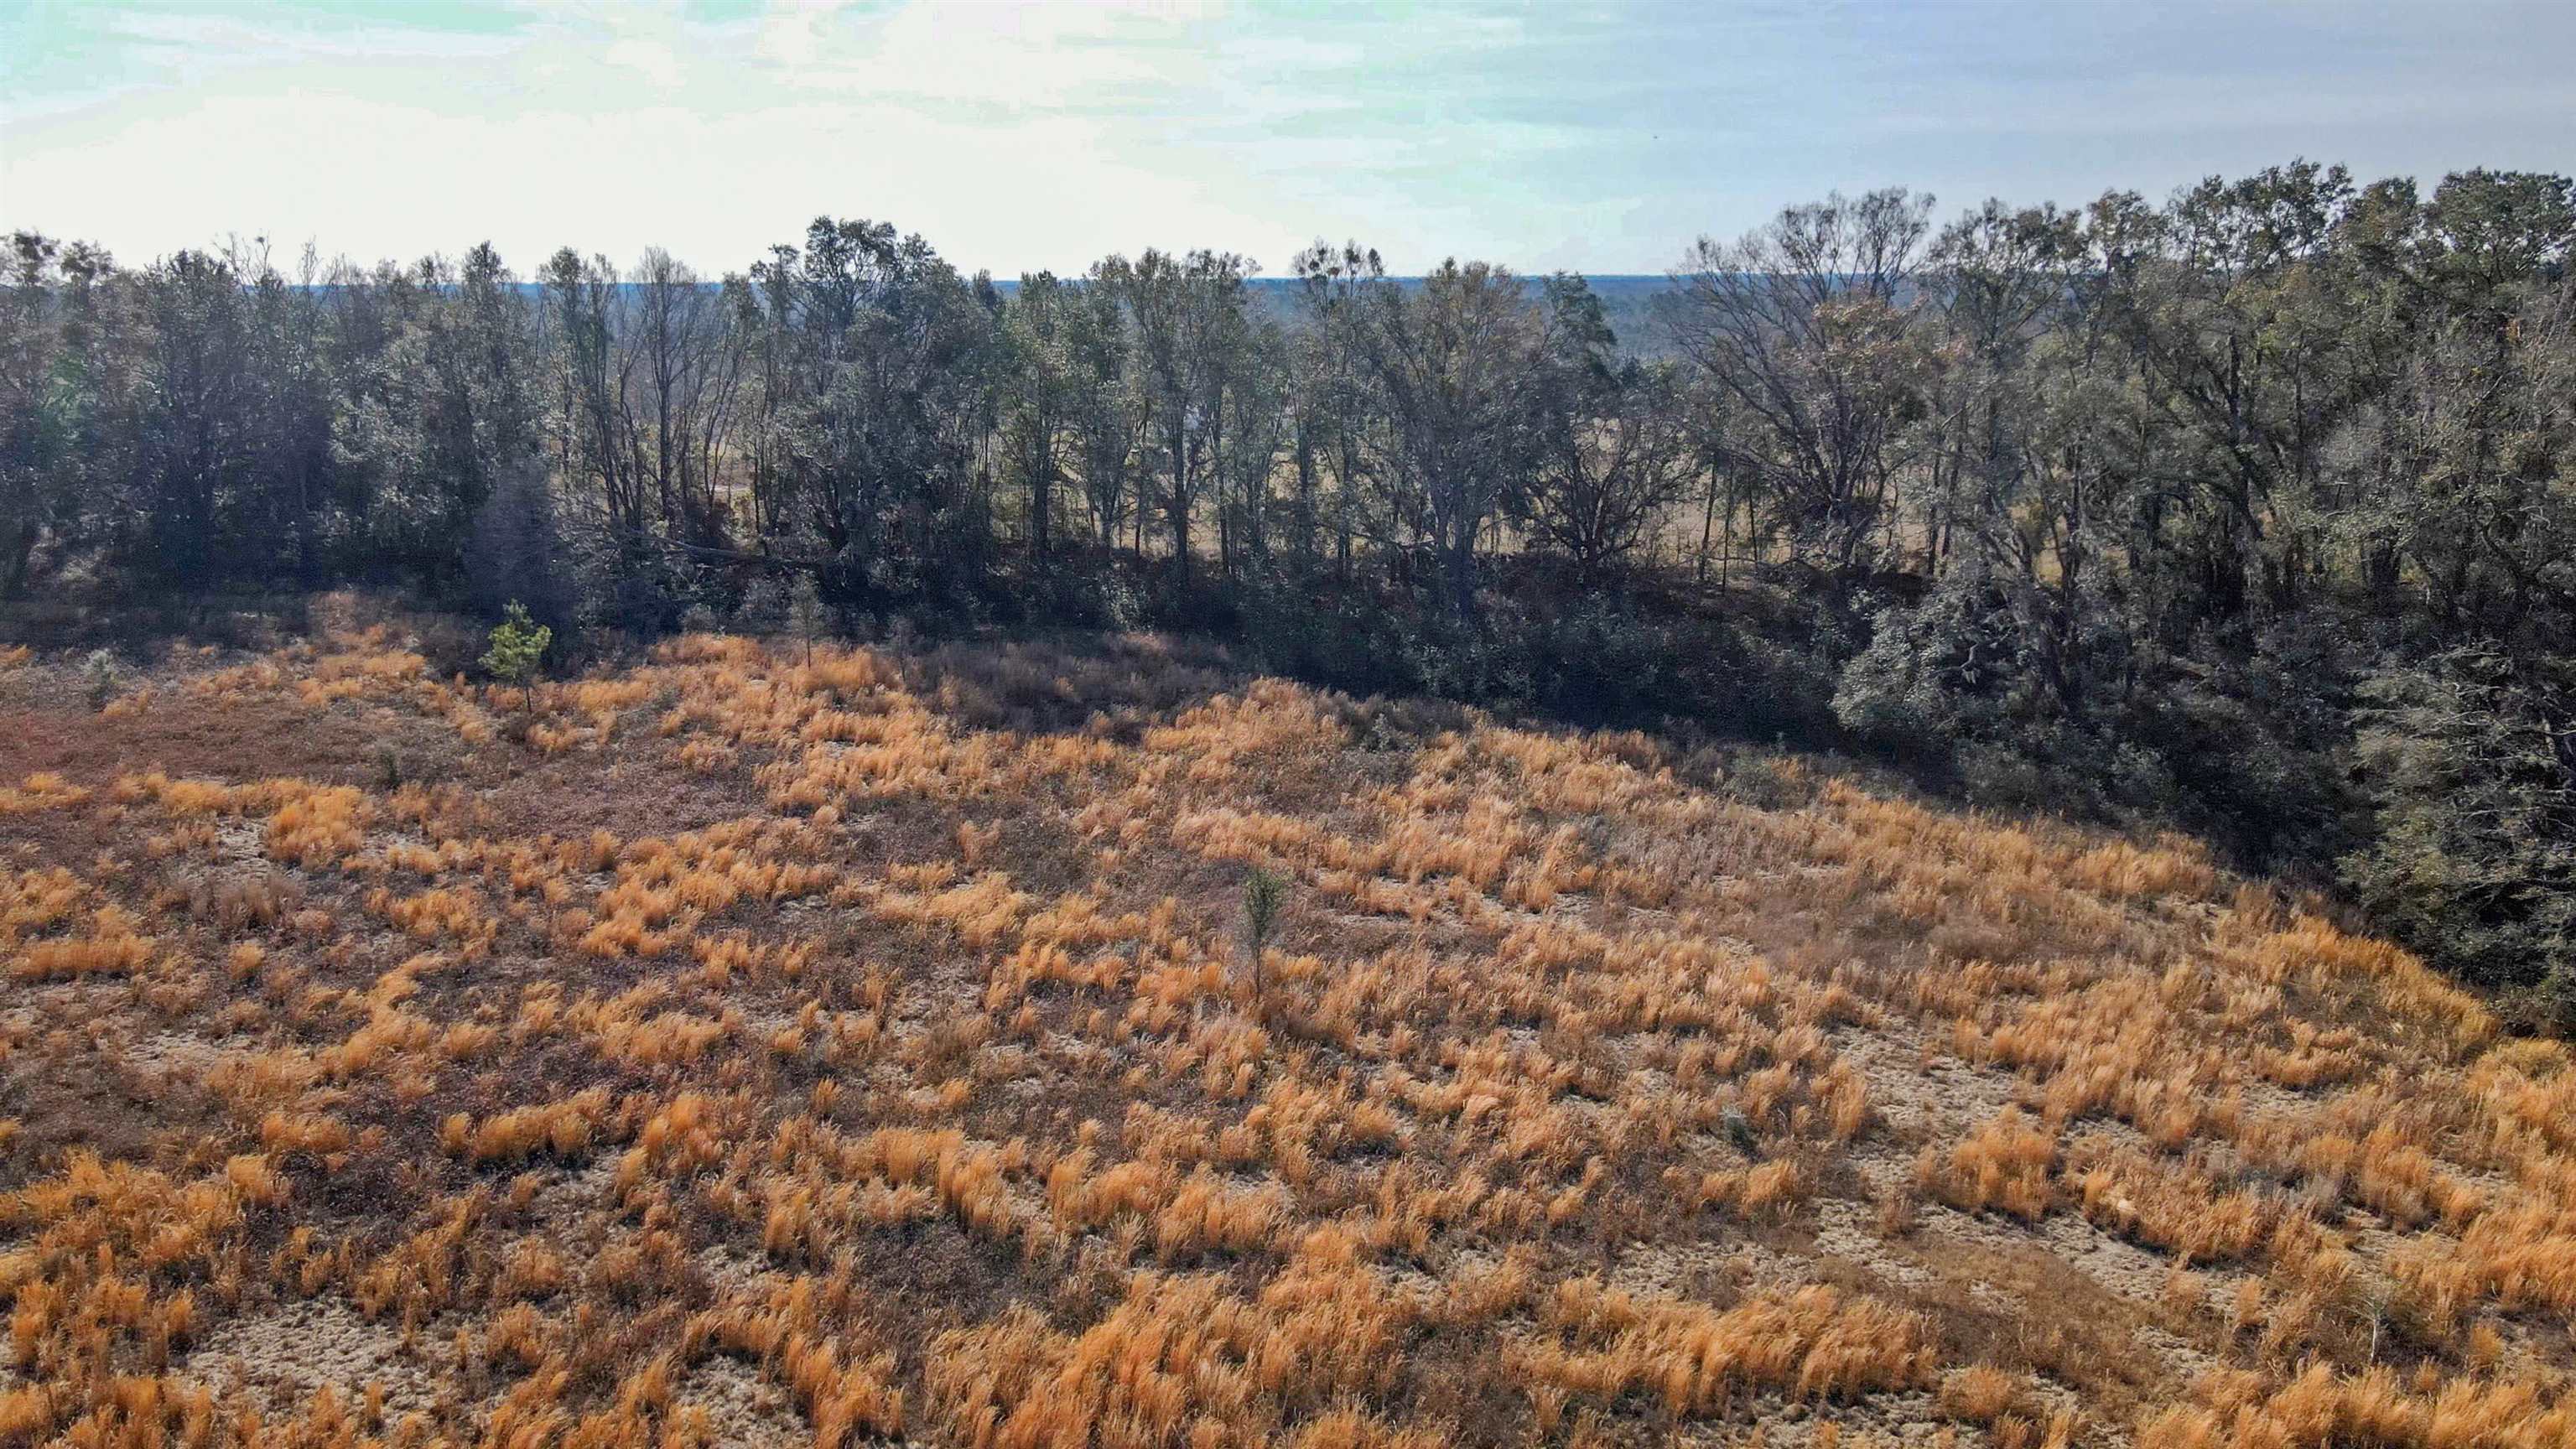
{"x": 651, "y": 59}
{"x": 792, "y": 33}
{"x": 220, "y": 40}
{"x": 1022, "y": 135}
{"x": 380, "y": 179}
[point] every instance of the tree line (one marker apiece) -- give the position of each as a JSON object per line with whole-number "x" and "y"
{"x": 2252, "y": 510}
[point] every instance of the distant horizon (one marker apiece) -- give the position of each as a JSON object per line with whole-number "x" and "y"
{"x": 1025, "y": 137}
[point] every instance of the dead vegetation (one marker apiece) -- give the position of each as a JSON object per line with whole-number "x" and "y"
{"x": 780, "y": 1050}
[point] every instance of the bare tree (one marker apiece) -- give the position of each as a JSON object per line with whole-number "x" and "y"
{"x": 1186, "y": 313}
{"x": 679, "y": 417}
{"x": 1618, "y": 458}
{"x": 1458, "y": 364}
{"x": 1809, "y": 323}
{"x": 1108, "y": 419}
{"x": 1043, "y": 395}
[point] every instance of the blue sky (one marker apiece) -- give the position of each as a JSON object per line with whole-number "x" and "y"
{"x": 1597, "y": 137}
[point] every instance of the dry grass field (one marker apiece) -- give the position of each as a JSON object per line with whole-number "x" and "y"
{"x": 743, "y": 1049}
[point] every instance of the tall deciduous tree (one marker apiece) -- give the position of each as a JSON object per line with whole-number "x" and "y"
{"x": 1459, "y": 365}
{"x": 1187, "y": 316}
{"x": 1042, "y": 394}
{"x": 1809, "y": 324}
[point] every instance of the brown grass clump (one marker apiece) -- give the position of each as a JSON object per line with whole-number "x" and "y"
{"x": 113, "y": 946}
{"x": 2174, "y": 867}
{"x": 1983, "y": 1394}
{"x": 2174, "y": 1209}
{"x": 564, "y": 1128}
{"x": 2319, "y": 1408}
{"x": 743, "y": 1049}
{"x": 1816, "y": 1343}
{"x": 2006, "y": 1164}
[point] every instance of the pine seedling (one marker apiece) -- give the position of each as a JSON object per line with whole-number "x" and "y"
{"x": 518, "y": 645}
{"x": 99, "y": 673}
{"x": 805, "y": 614}
{"x": 1263, "y": 893}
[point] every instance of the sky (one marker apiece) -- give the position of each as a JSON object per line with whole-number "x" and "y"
{"x": 1020, "y": 136}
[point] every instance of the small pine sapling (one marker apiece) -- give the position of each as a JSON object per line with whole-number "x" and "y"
{"x": 99, "y": 672}
{"x": 518, "y": 647}
{"x": 805, "y": 614}
{"x": 1263, "y": 893}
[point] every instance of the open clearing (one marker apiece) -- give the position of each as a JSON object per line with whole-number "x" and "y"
{"x": 751, "y": 1049}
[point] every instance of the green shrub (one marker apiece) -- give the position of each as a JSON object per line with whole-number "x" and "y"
{"x": 99, "y": 676}
{"x": 2470, "y": 761}
{"x": 518, "y": 647}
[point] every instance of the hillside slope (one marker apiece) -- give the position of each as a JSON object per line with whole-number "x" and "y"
{"x": 743, "y": 1049}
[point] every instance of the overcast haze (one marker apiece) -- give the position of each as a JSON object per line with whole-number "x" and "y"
{"x": 1600, "y": 138}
